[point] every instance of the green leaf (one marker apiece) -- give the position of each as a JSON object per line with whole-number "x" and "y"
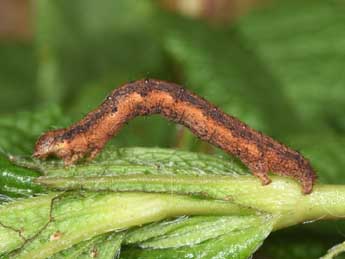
{"x": 158, "y": 161}
{"x": 200, "y": 231}
{"x": 17, "y": 181}
{"x": 307, "y": 60}
{"x": 149, "y": 231}
{"x": 240, "y": 243}
{"x": 105, "y": 246}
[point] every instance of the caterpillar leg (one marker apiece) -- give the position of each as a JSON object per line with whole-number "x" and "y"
{"x": 307, "y": 181}
{"x": 72, "y": 159}
{"x": 263, "y": 176}
{"x": 94, "y": 152}
{"x": 260, "y": 170}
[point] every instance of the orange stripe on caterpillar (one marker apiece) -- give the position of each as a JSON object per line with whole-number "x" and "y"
{"x": 259, "y": 152}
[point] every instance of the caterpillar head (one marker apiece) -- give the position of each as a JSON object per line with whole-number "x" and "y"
{"x": 49, "y": 144}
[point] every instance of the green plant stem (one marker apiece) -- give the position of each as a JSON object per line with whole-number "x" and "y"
{"x": 283, "y": 197}
{"x": 96, "y": 213}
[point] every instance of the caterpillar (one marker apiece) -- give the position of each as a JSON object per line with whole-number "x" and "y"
{"x": 260, "y": 153}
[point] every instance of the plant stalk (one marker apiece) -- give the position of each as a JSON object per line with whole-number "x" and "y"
{"x": 282, "y": 198}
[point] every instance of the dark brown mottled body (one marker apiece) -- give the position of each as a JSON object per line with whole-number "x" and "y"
{"x": 259, "y": 152}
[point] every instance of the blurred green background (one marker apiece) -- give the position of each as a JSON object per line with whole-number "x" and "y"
{"x": 278, "y": 66}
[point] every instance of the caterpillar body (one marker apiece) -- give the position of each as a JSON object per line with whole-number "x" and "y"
{"x": 260, "y": 153}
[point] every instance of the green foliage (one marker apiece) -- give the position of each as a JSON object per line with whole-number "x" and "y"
{"x": 199, "y": 230}
{"x": 278, "y": 68}
{"x": 232, "y": 243}
{"x": 18, "y": 135}
{"x": 105, "y": 246}
{"x": 52, "y": 223}
{"x": 17, "y": 181}
{"x": 303, "y": 49}
{"x": 215, "y": 64}
{"x": 158, "y": 161}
